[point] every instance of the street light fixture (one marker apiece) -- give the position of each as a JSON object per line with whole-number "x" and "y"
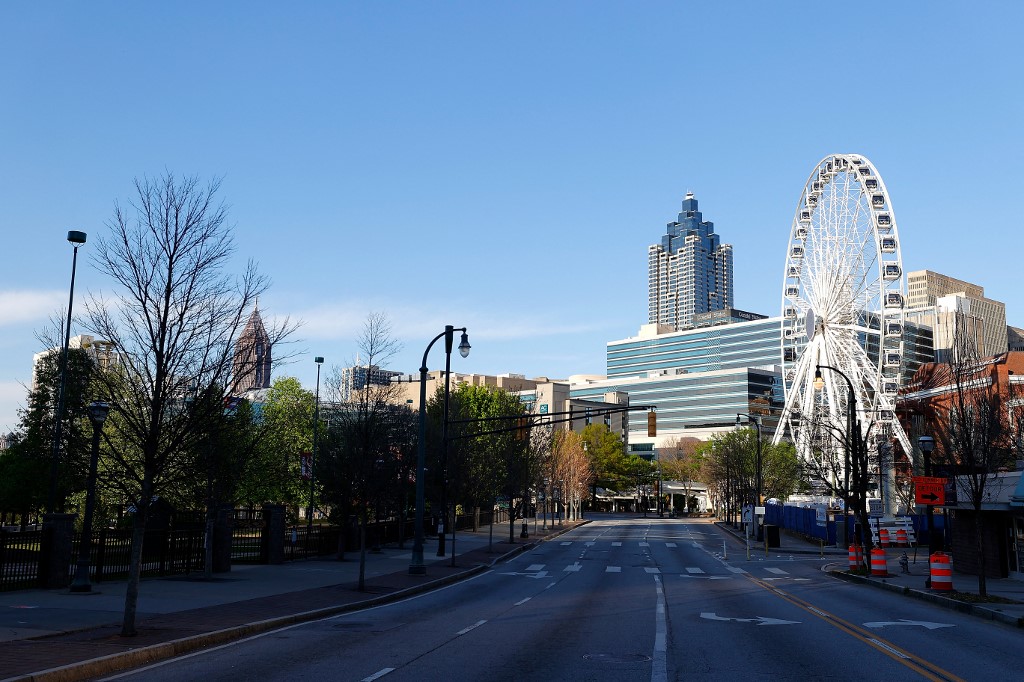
{"x": 757, "y": 470}
{"x": 927, "y": 445}
{"x": 97, "y": 415}
{"x": 851, "y": 442}
{"x": 312, "y": 457}
{"x": 77, "y": 239}
{"x": 416, "y": 565}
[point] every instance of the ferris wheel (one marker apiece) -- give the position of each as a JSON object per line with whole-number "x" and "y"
{"x": 843, "y": 302}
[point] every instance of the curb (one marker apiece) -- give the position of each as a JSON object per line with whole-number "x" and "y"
{"x": 937, "y": 599}
{"x": 157, "y": 652}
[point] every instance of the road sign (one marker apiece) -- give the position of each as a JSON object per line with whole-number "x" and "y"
{"x": 929, "y": 490}
{"x": 875, "y": 510}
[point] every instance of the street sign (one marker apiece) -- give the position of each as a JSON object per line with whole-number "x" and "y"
{"x": 875, "y": 508}
{"x": 929, "y": 490}
{"x": 820, "y": 515}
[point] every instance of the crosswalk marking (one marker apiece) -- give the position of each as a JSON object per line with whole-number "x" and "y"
{"x": 589, "y": 544}
{"x": 613, "y": 569}
{"x": 734, "y": 569}
{"x": 534, "y": 567}
{"x": 566, "y": 544}
{"x": 693, "y": 570}
{"x": 670, "y": 544}
{"x": 776, "y": 571}
{"x": 645, "y": 544}
{"x": 652, "y": 570}
{"x": 574, "y": 567}
{"x": 616, "y": 544}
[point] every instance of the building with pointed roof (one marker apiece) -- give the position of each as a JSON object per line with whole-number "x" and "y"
{"x": 252, "y": 362}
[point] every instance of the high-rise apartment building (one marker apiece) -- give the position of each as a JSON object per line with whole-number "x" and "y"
{"x": 689, "y": 272}
{"x": 358, "y": 377}
{"x": 984, "y": 317}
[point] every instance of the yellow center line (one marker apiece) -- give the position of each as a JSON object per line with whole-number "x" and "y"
{"x": 917, "y": 664}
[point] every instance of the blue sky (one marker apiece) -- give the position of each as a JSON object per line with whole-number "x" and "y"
{"x": 502, "y": 166}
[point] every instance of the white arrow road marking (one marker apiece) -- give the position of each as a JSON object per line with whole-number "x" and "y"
{"x": 613, "y": 569}
{"x": 692, "y": 570}
{"x": 616, "y": 544}
{"x": 471, "y": 627}
{"x": 670, "y": 544}
{"x": 575, "y": 566}
{"x": 534, "y": 567}
{"x": 904, "y": 621}
{"x": 760, "y": 620}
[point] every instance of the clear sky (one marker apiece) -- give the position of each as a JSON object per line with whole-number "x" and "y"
{"x": 502, "y": 166}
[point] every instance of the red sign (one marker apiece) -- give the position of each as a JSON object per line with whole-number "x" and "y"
{"x": 929, "y": 490}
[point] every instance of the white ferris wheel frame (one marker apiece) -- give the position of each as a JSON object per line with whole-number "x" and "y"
{"x": 843, "y": 291}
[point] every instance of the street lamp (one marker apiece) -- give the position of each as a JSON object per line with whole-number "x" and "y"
{"x": 416, "y": 565}
{"x": 312, "y": 457}
{"x": 77, "y": 238}
{"x": 97, "y": 415}
{"x": 851, "y": 443}
{"x": 927, "y": 445}
{"x": 757, "y": 470}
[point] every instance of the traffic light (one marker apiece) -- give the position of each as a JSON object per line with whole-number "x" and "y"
{"x": 523, "y": 428}
{"x": 652, "y": 424}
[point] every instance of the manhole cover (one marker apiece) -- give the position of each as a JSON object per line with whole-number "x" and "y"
{"x": 617, "y": 658}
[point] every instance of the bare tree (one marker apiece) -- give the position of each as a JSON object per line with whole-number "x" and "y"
{"x": 969, "y": 413}
{"x": 174, "y": 320}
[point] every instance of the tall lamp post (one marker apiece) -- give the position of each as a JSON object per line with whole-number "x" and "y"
{"x": 850, "y": 444}
{"x": 77, "y": 238}
{"x": 757, "y": 470}
{"x": 97, "y": 415}
{"x": 312, "y": 457}
{"x": 927, "y": 445}
{"x": 416, "y": 565}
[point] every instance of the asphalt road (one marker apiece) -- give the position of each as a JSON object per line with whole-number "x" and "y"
{"x": 626, "y": 598}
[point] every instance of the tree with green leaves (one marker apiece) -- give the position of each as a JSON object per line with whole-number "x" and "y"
{"x": 607, "y": 453}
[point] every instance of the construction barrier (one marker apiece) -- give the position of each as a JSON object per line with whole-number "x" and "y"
{"x": 856, "y": 557}
{"x": 901, "y": 538}
{"x": 942, "y": 572}
{"x": 878, "y": 564}
{"x": 883, "y": 537}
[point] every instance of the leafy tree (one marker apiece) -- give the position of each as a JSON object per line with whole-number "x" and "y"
{"x": 175, "y": 321}
{"x": 572, "y": 468}
{"x": 607, "y": 453}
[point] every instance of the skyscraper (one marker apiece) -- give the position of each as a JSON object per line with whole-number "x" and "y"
{"x": 252, "y": 360}
{"x": 689, "y": 272}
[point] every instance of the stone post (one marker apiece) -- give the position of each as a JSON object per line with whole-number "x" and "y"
{"x": 273, "y": 533}
{"x": 55, "y": 552}
{"x": 223, "y": 525}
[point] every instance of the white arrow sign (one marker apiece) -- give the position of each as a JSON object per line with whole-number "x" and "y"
{"x": 904, "y": 621}
{"x": 760, "y": 620}
{"x": 539, "y": 574}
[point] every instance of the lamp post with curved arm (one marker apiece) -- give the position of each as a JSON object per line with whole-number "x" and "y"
{"x": 416, "y": 565}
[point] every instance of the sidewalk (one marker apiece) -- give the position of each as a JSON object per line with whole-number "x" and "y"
{"x": 910, "y": 584}
{"x": 57, "y": 635}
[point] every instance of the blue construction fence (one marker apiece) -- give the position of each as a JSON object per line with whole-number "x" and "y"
{"x": 803, "y": 520}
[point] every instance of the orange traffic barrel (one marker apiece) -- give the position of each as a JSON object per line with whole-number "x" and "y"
{"x": 901, "y": 538}
{"x": 878, "y": 565}
{"x": 856, "y": 557}
{"x": 883, "y": 537}
{"x": 942, "y": 572}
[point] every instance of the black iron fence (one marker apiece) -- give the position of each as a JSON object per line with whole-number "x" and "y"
{"x": 20, "y": 555}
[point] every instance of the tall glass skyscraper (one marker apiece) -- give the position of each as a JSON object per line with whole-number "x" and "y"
{"x": 689, "y": 272}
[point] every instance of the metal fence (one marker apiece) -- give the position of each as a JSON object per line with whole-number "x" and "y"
{"x": 20, "y": 554}
{"x": 164, "y": 553}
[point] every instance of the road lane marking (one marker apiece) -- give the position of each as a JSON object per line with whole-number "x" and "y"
{"x": 691, "y": 570}
{"x": 474, "y": 626}
{"x": 645, "y": 544}
{"x": 566, "y": 544}
{"x": 589, "y": 544}
{"x": 776, "y": 571}
{"x": 522, "y": 601}
{"x": 380, "y": 673}
{"x": 573, "y": 567}
{"x": 659, "y": 661}
{"x": 616, "y": 544}
{"x": 652, "y": 570}
{"x": 534, "y": 567}
{"x": 670, "y": 544}
{"x": 735, "y": 569}
{"x": 613, "y": 569}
